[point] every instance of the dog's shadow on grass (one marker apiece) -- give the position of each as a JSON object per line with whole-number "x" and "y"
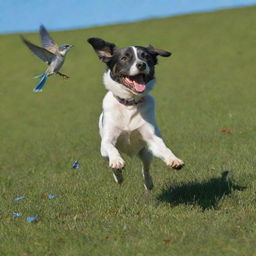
{"x": 206, "y": 194}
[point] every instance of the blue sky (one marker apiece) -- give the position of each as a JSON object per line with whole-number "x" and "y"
{"x": 27, "y": 15}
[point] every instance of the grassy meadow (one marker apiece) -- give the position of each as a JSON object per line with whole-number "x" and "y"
{"x": 206, "y": 110}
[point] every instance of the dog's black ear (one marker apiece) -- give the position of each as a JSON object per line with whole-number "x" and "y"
{"x": 159, "y": 52}
{"x": 103, "y": 49}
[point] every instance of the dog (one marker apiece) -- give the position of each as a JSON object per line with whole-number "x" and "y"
{"x": 127, "y": 123}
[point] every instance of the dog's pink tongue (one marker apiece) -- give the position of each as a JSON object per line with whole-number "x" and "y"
{"x": 139, "y": 87}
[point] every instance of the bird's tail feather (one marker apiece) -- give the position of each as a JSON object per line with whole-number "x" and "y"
{"x": 39, "y": 76}
{"x": 40, "y": 85}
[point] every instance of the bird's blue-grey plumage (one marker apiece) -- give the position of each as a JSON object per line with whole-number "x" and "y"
{"x": 41, "y": 83}
{"x": 40, "y": 52}
{"x": 50, "y": 53}
{"x": 46, "y": 40}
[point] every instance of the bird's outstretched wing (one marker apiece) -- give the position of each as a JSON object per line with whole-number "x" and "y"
{"x": 47, "y": 41}
{"x": 40, "y": 52}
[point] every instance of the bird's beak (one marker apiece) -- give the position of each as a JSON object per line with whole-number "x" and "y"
{"x": 71, "y": 46}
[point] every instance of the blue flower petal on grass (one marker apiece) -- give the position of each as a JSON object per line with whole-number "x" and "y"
{"x": 75, "y": 165}
{"x": 32, "y": 219}
{"x": 19, "y": 198}
{"x": 16, "y": 214}
{"x": 51, "y": 196}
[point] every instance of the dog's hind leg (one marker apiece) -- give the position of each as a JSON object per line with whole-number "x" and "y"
{"x": 146, "y": 158}
{"x": 118, "y": 176}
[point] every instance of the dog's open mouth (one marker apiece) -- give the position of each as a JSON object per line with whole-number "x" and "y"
{"x": 136, "y": 83}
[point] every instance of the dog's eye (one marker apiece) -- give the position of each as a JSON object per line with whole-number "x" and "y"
{"x": 124, "y": 58}
{"x": 144, "y": 55}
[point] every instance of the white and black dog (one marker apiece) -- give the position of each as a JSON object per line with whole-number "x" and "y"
{"x": 127, "y": 123}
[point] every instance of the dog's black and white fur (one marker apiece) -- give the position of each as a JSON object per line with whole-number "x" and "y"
{"x": 127, "y": 123}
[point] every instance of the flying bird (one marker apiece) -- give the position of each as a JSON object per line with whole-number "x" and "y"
{"x": 50, "y": 53}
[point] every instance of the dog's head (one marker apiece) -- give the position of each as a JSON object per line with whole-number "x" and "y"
{"x": 132, "y": 67}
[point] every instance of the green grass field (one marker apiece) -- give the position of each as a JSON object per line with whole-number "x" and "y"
{"x": 207, "y": 85}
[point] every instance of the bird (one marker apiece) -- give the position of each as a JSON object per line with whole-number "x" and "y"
{"x": 50, "y": 53}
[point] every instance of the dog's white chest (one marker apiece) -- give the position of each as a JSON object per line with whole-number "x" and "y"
{"x": 130, "y": 142}
{"x": 125, "y": 121}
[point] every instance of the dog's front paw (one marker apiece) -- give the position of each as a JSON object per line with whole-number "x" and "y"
{"x": 176, "y": 163}
{"x": 116, "y": 163}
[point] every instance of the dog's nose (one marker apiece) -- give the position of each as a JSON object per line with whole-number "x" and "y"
{"x": 141, "y": 66}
